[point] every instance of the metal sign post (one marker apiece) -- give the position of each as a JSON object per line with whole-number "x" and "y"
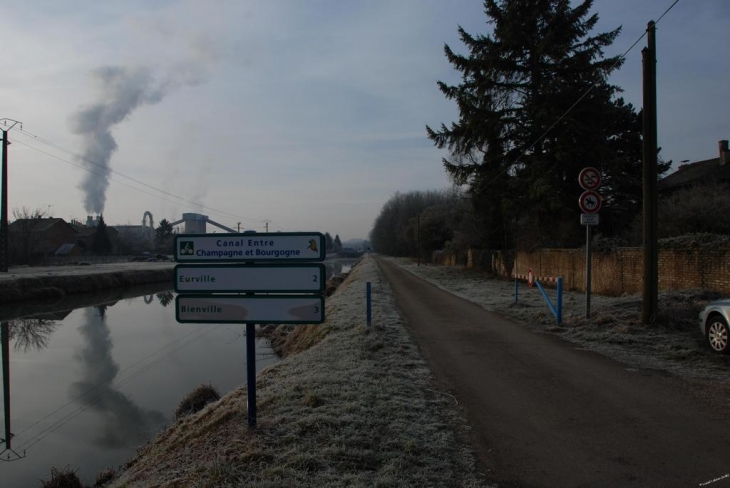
{"x": 590, "y": 203}
{"x": 239, "y": 293}
{"x": 251, "y": 374}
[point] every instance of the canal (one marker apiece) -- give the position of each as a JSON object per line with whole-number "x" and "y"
{"x": 91, "y": 378}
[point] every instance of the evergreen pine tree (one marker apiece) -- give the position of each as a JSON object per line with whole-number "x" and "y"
{"x": 328, "y": 242}
{"x": 523, "y": 135}
{"x": 337, "y": 244}
{"x": 163, "y": 236}
{"x": 101, "y": 243}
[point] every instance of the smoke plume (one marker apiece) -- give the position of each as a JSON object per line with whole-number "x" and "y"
{"x": 121, "y": 90}
{"x": 124, "y": 423}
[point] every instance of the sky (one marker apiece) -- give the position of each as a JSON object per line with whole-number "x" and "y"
{"x": 305, "y": 114}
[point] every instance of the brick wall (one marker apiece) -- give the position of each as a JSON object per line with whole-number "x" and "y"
{"x": 612, "y": 274}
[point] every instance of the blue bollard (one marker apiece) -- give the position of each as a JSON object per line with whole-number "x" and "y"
{"x": 559, "y": 314}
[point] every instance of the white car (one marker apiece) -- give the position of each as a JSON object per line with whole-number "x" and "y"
{"x": 714, "y": 320}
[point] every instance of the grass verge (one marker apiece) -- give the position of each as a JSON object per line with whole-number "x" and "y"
{"x": 357, "y": 408}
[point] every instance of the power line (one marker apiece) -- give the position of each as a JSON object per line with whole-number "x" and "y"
{"x": 666, "y": 11}
{"x": 184, "y": 201}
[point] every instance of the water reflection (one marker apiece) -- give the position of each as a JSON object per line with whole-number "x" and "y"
{"x": 8, "y": 454}
{"x": 33, "y": 333}
{"x": 124, "y": 422}
{"x": 165, "y": 298}
{"x": 64, "y": 305}
{"x": 338, "y": 266}
{"x": 92, "y": 382}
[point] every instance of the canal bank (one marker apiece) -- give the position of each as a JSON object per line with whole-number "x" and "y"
{"x": 52, "y": 282}
{"x": 356, "y": 405}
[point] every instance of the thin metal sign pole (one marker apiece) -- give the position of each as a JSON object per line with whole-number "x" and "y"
{"x": 251, "y": 373}
{"x": 588, "y": 271}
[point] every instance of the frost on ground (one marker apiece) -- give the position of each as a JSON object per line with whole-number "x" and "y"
{"x": 673, "y": 344}
{"x": 358, "y": 408}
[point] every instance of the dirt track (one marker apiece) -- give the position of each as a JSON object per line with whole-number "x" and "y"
{"x": 547, "y": 414}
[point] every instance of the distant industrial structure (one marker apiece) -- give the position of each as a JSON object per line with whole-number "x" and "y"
{"x": 197, "y": 224}
{"x": 137, "y": 238}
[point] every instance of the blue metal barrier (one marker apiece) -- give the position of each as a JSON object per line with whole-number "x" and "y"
{"x": 557, "y": 309}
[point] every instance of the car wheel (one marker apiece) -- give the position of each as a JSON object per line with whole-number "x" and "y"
{"x": 717, "y": 334}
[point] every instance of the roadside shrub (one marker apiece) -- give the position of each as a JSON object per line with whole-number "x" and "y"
{"x": 104, "y": 477}
{"x": 704, "y": 208}
{"x": 196, "y": 400}
{"x": 679, "y": 309}
{"x": 62, "y": 478}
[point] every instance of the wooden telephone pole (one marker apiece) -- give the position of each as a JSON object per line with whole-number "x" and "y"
{"x": 650, "y": 297}
{"x": 4, "y": 257}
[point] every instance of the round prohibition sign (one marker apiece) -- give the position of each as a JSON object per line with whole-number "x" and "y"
{"x": 589, "y": 178}
{"x": 590, "y": 202}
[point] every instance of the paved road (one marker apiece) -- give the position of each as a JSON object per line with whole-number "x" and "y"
{"x": 546, "y": 414}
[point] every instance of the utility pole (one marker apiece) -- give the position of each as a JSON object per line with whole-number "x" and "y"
{"x": 267, "y": 222}
{"x": 4, "y": 258}
{"x": 239, "y": 226}
{"x": 650, "y": 298}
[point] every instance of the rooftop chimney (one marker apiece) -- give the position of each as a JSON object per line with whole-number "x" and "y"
{"x": 724, "y": 156}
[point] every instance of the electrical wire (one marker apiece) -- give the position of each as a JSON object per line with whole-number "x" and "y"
{"x": 180, "y": 200}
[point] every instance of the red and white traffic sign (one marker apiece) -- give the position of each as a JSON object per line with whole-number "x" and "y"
{"x": 590, "y": 202}
{"x": 589, "y": 178}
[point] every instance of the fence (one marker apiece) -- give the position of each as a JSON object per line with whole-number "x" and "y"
{"x": 617, "y": 273}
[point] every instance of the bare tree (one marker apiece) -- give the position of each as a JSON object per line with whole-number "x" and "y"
{"x": 30, "y": 333}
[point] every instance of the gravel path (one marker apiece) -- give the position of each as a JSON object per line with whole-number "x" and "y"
{"x": 673, "y": 344}
{"x": 544, "y": 413}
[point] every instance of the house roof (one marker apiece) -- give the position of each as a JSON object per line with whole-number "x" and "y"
{"x": 699, "y": 172}
{"x": 36, "y": 225}
{"x": 90, "y": 231}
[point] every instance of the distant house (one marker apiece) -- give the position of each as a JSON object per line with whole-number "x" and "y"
{"x": 715, "y": 170}
{"x": 30, "y": 240}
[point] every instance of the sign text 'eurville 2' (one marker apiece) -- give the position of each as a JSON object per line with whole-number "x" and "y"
{"x": 253, "y": 278}
{"x": 278, "y": 246}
